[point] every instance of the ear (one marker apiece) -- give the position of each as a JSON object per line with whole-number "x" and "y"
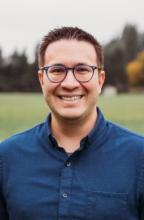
{"x": 101, "y": 80}
{"x": 40, "y": 77}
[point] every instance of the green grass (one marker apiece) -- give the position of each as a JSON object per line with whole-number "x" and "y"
{"x": 127, "y": 110}
{"x": 21, "y": 111}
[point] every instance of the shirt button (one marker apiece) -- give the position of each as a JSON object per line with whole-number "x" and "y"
{"x": 64, "y": 195}
{"x": 68, "y": 164}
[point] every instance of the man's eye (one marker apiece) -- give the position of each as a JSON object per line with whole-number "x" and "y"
{"x": 82, "y": 70}
{"x": 56, "y": 70}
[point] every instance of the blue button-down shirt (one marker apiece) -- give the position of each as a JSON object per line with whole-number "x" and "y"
{"x": 102, "y": 180}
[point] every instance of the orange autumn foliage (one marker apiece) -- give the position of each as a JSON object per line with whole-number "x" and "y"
{"x": 135, "y": 70}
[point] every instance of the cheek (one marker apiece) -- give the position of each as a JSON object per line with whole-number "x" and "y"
{"x": 49, "y": 89}
{"x": 92, "y": 88}
{"x": 95, "y": 86}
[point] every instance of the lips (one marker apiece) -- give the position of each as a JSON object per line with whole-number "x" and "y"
{"x": 70, "y": 98}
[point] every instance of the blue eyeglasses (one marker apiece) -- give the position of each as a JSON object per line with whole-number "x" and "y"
{"x": 58, "y": 72}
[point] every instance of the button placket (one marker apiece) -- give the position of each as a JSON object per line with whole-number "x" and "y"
{"x": 65, "y": 189}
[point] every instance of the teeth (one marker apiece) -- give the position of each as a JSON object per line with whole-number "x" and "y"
{"x": 70, "y": 98}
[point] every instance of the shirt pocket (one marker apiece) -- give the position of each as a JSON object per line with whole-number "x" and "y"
{"x": 107, "y": 206}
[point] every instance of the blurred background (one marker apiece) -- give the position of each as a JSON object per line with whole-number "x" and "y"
{"x": 117, "y": 25}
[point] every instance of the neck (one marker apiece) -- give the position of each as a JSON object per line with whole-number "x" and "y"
{"x": 69, "y": 132}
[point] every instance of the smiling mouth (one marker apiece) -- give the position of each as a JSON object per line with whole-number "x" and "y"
{"x": 71, "y": 98}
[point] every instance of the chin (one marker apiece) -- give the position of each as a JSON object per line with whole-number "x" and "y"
{"x": 70, "y": 115}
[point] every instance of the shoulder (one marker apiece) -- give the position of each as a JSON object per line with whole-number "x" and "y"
{"x": 19, "y": 148}
{"x": 20, "y": 139}
{"x": 126, "y": 136}
{"x": 125, "y": 131}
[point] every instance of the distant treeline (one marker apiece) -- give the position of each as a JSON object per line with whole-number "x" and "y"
{"x": 17, "y": 74}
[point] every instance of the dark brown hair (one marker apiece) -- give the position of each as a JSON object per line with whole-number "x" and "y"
{"x": 69, "y": 33}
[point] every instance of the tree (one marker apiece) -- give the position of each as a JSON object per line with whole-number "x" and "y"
{"x": 115, "y": 65}
{"x": 33, "y": 70}
{"x": 1, "y": 58}
{"x": 131, "y": 42}
{"x": 135, "y": 70}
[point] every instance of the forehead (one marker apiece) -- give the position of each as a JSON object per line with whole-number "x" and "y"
{"x": 70, "y": 51}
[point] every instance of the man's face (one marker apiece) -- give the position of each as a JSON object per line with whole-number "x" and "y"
{"x": 70, "y": 99}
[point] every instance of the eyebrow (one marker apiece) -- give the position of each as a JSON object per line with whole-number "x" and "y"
{"x": 61, "y": 64}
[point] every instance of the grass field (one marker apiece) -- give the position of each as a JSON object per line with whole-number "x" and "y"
{"x": 20, "y": 111}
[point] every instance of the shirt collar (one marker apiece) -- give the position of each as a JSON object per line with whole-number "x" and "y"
{"x": 100, "y": 127}
{"x": 97, "y": 134}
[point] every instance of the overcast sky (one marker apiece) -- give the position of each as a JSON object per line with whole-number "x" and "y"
{"x": 24, "y": 22}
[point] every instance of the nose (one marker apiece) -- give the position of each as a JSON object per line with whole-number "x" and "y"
{"x": 70, "y": 81}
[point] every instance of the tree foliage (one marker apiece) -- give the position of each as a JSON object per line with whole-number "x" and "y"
{"x": 17, "y": 74}
{"x": 135, "y": 70}
{"x": 114, "y": 65}
{"x": 118, "y": 53}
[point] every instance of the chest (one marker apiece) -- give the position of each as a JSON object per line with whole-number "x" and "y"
{"x": 73, "y": 190}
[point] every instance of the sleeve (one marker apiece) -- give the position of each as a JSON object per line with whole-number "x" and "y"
{"x": 141, "y": 188}
{"x": 141, "y": 207}
{"x": 3, "y": 210}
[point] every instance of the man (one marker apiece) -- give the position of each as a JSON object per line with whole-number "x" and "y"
{"x": 75, "y": 165}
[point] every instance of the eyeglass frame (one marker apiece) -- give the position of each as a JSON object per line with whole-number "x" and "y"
{"x": 45, "y": 68}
